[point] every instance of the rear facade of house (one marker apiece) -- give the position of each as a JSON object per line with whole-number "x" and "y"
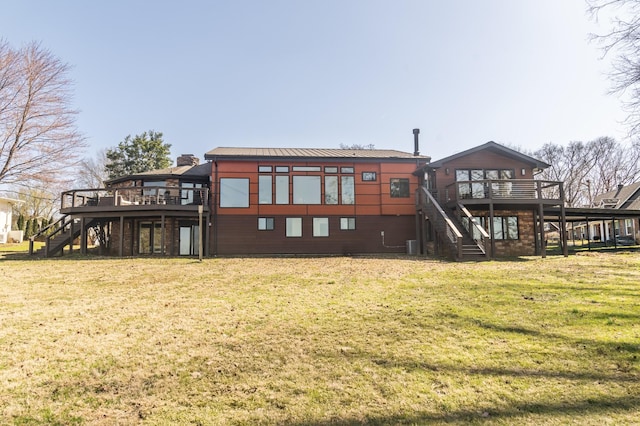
{"x": 480, "y": 203}
{"x": 312, "y": 201}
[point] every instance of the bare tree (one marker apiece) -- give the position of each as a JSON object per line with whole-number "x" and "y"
{"x": 38, "y": 135}
{"x": 92, "y": 170}
{"x": 623, "y": 43}
{"x": 357, "y": 146}
{"x": 569, "y": 164}
{"x": 590, "y": 169}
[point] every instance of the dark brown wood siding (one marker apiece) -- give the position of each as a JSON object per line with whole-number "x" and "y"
{"x": 239, "y": 235}
{"x": 480, "y": 160}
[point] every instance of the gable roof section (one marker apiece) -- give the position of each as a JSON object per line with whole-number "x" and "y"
{"x": 310, "y": 153}
{"x": 627, "y": 197}
{"x": 199, "y": 171}
{"x": 497, "y": 148}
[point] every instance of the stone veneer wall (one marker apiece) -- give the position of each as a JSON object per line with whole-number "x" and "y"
{"x": 525, "y": 245}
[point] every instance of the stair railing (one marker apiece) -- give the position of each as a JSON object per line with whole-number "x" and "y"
{"x": 441, "y": 220}
{"x": 483, "y": 241}
{"x": 61, "y": 225}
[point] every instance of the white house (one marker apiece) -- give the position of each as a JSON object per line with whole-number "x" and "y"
{"x": 6, "y": 209}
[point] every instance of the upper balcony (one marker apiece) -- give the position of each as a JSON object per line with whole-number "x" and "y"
{"x": 143, "y": 199}
{"x": 504, "y": 191}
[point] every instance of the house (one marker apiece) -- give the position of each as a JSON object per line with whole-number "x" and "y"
{"x": 6, "y": 217}
{"x": 312, "y": 201}
{"x": 298, "y": 201}
{"x": 485, "y": 201}
{"x": 618, "y": 229}
{"x": 481, "y": 203}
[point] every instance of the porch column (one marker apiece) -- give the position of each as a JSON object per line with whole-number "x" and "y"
{"x": 121, "y": 248}
{"x": 71, "y": 230}
{"x": 162, "y": 238}
{"x": 588, "y": 233}
{"x": 543, "y": 241}
{"x": 423, "y": 218}
{"x": 418, "y": 231}
{"x": 491, "y": 231}
{"x": 83, "y": 236}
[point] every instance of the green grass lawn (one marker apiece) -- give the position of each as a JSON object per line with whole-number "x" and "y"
{"x": 88, "y": 340}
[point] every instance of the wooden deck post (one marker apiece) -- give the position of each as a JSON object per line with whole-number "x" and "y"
{"x": 83, "y": 236}
{"x": 162, "y": 233}
{"x": 121, "y": 248}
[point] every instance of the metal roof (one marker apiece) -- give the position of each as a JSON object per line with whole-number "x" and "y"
{"x": 315, "y": 153}
{"x": 495, "y": 147}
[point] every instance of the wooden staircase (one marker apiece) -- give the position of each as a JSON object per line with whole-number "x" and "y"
{"x": 449, "y": 231}
{"x": 57, "y": 236}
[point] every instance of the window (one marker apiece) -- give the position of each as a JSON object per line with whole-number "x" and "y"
{"x": 234, "y": 192}
{"x": 282, "y": 189}
{"x": 399, "y": 188}
{"x": 347, "y": 223}
{"x": 265, "y": 169}
{"x": 294, "y": 227}
{"x": 306, "y": 168}
{"x": 348, "y": 190}
{"x": 346, "y": 170}
{"x": 190, "y": 194}
{"x": 472, "y": 186}
{"x": 265, "y": 189}
{"x": 152, "y": 191}
{"x": 505, "y": 227}
{"x": 282, "y": 169}
{"x": 149, "y": 237}
{"x": 331, "y": 169}
{"x": 320, "y": 226}
{"x": 368, "y": 176}
{"x": 331, "y": 189}
{"x": 306, "y": 190}
{"x": 265, "y": 223}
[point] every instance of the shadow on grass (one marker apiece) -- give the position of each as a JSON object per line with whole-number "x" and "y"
{"x": 600, "y": 346}
{"x": 586, "y": 407}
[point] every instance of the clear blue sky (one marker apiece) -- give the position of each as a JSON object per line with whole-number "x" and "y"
{"x": 318, "y": 73}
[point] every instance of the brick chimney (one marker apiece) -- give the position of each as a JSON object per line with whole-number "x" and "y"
{"x": 187, "y": 160}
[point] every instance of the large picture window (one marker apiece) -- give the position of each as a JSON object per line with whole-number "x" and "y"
{"x": 331, "y": 189}
{"x": 234, "y": 192}
{"x": 282, "y": 189}
{"x": 399, "y": 188}
{"x": 306, "y": 190}
{"x": 265, "y": 189}
{"x": 348, "y": 190}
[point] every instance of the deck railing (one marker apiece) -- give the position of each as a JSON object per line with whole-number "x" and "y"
{"x": 479, "y": 235}
{"x": 441, "y": 221}
{"x": 504, "y": 190}
{"x": 134, "y": 196}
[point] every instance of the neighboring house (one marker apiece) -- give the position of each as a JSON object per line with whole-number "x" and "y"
{"x": 6, "y": 217}
{"x": 485, "y": 202}
{"x": 481, "y": 203}
{"x": 625, "y": 198}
